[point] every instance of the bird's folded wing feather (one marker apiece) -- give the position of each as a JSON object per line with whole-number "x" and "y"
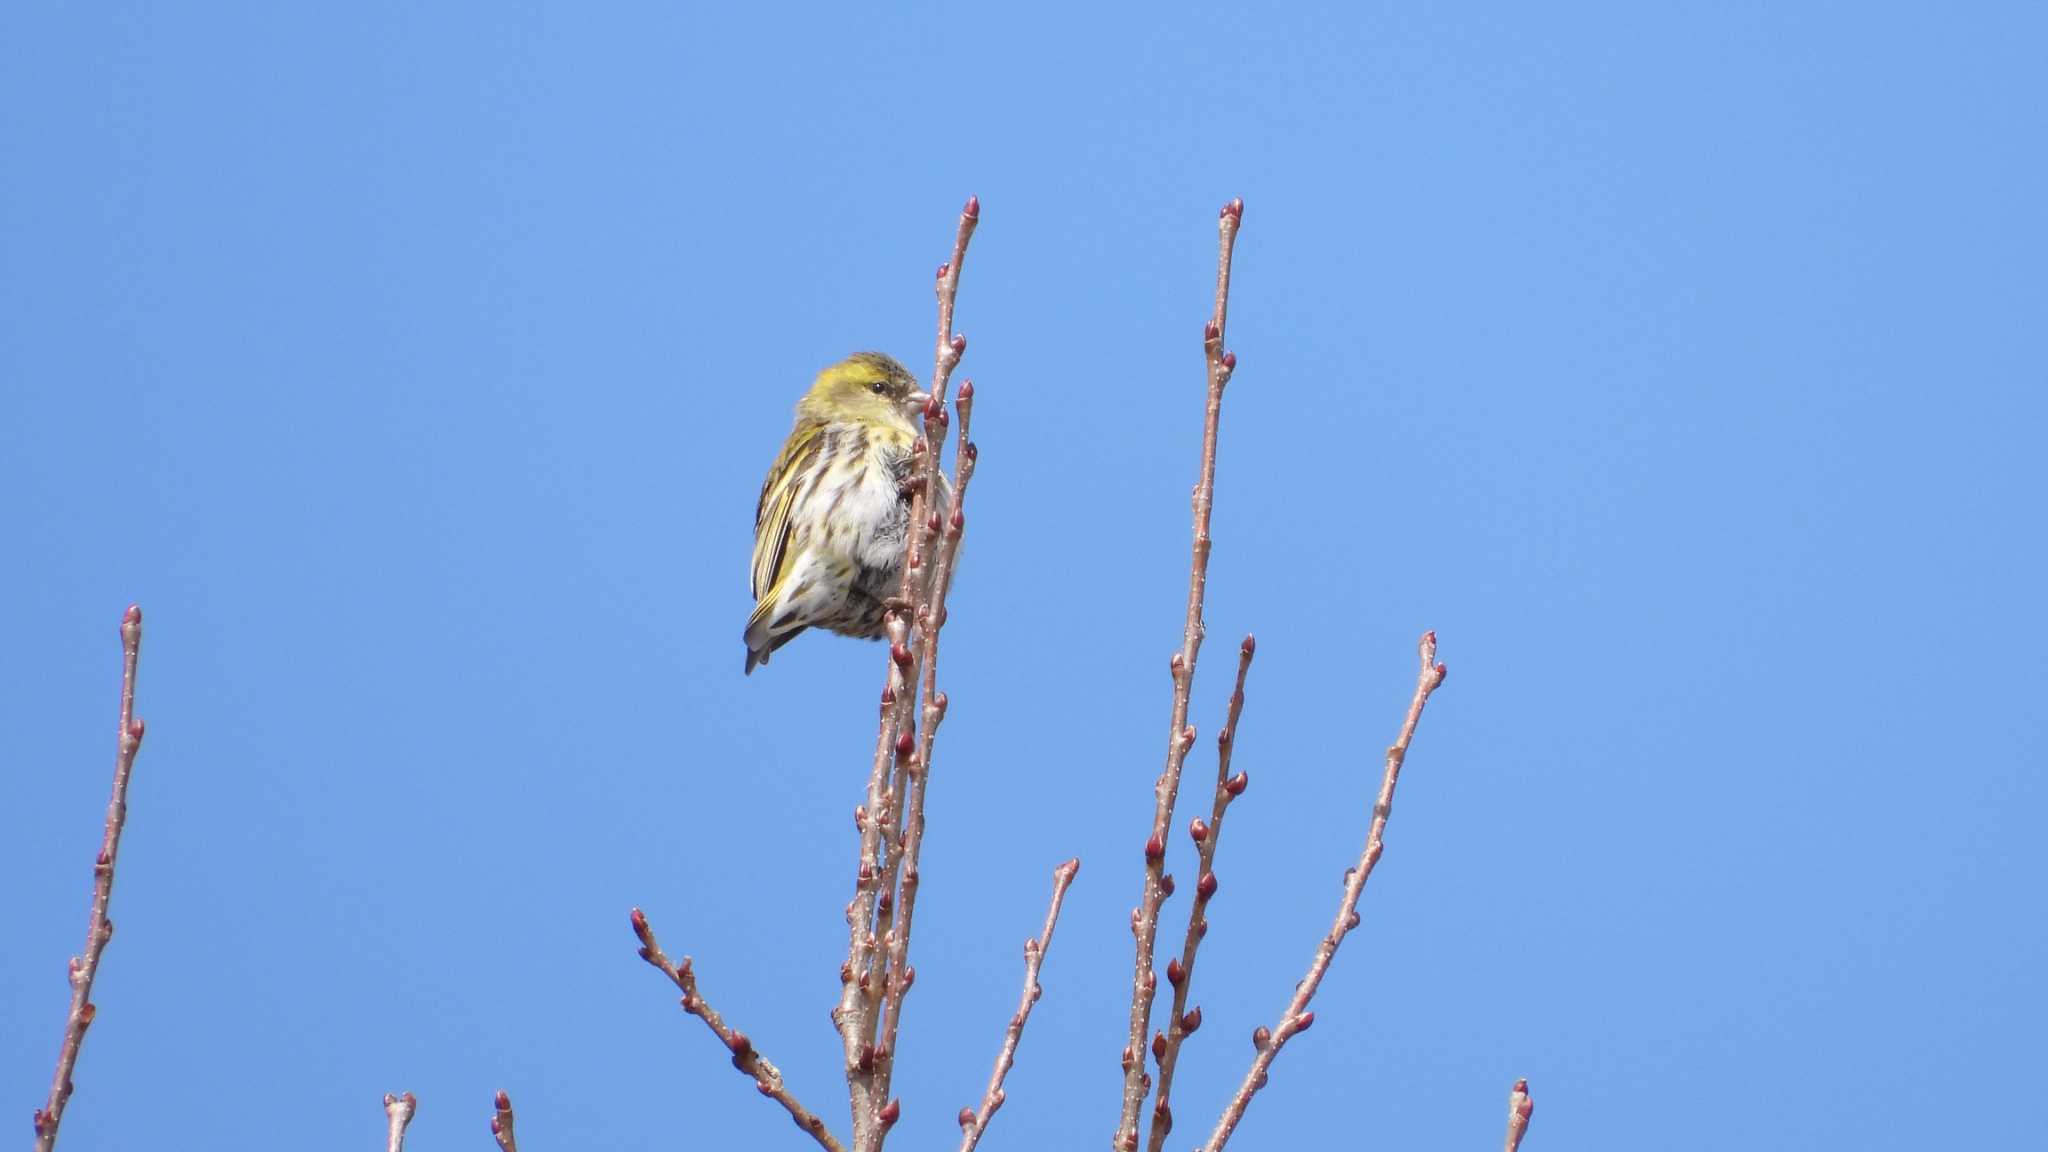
{"x": 778, "y": 498}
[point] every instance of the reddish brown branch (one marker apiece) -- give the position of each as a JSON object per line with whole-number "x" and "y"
{"x": 1180, "y": 736}
{"x": 877, "y": 972}
{"x": 99, "y": 929}
{"x": 767, "y": 1078}
{"x": 1520, "y": 1108}
{"x": 398, "y": 1112}
{"x": 974, "y": 1121}
{"x": 1297, "y": 1018}
{"x": 501, "y": 1125}
{"x": 1181, "y": 973}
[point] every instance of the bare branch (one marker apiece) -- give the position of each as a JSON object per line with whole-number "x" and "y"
{"x": 1297, "y": 1018}
{"x": 767, "y": 1078}
{"x": 877, "y": 972}
{"x": 501, "y": 1125}
{"x": 99, "y": 929}
{"x": 1520, "y": 1107}
{"x": 398, "y": 1112}
{"x": 932, "y": 704}
{"x": 1180, "y": 735}
{"x": 1180, "y": 1022}
{"x": 974, "y": 1122}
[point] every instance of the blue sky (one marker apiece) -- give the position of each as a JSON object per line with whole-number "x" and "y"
{"x": 417, "y": 370}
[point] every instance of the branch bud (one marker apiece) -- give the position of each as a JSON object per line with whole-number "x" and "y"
{"x": 1206, "y": 886}
{"x": 1191, "y": 1022}
{"x": 1153, "y": 848}
{"x": 1197, "y": 830}
{"x": 1175, "y": 973}
{"x": 1236, "y": 784}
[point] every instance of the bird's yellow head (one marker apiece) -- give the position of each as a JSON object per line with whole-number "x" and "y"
{"x": 866, "y": 388}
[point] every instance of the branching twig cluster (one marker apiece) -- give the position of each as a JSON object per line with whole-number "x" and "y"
{"x": 85, "y": 967}
{"x": 877, "y": 974}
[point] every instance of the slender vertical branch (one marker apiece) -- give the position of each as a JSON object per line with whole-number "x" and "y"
{"x": 398, "y": 1112}
{"x": 877, "y": 972}
{"x": 974, "y": 1121}
{"x": 85, "y": 967}
{"x": 1520, "y": 1108}
{"x": 932, "y": 706}
{"x": 1297, "y": 1018}
{"x": 1180, "y": 736}
{"x": 501, "y": 1125}
{"x": 767, "y": 1077}
{"x": 1180, "y": 1022}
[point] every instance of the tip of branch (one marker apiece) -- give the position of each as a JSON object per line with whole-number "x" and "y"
{"x": 973, "y": 209}
{"x": 133, "y": 616}
{"x": 1070, "y": 869}
{"x": 1250, "y": 645}
{"x": 1233, "y": 210}
{"x": 640, "y": 928}
{"x": 504, "y": 1102}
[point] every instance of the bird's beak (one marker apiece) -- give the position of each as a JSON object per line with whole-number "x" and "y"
{"x": 915, "y": 402}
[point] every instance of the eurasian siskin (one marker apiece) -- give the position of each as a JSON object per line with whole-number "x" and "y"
{"x": 829, "y": 531}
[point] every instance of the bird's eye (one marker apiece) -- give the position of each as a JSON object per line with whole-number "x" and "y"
{"x": 878, "y": 387}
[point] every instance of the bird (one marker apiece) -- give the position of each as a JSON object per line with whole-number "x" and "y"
{"x": 830, "y": 527}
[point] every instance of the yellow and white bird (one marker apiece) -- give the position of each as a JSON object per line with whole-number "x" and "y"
{"x": 829, "y": 531}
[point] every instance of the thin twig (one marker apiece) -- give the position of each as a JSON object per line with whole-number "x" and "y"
{"x": 973, "y": 1121}
{"x": 99, "y": 929}
{"x": 501, "y": 1125}
{"x": 877, "y": 973}
{"x": 933, "y": 707}
{"x": 1180, "y": 735}
{"x": 767, "y": 1078}
{"x": 1520, "y": 1107}
{"x": 398, "y": 1112}
{"x": 1297, "y": 1018}
{"x": 1180, "y": 1022}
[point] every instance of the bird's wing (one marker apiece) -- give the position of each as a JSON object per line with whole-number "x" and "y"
{"x": 778, "y": 497}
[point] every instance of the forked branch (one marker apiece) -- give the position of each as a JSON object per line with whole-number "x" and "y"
{"x": 398, "y": 1112}
{"x": 1297, "y": 1018}
{"x": 1180, "y": 735}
